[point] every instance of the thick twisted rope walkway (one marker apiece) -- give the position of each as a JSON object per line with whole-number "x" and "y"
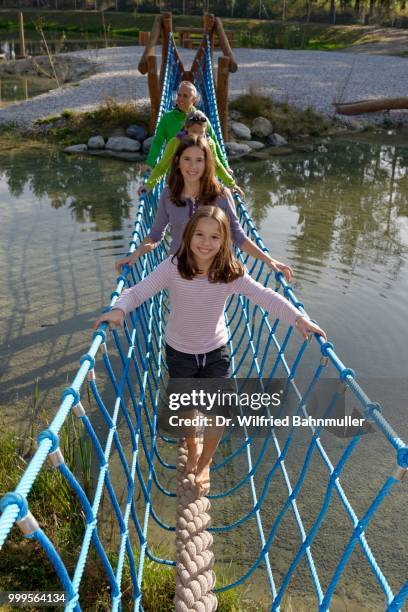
{"x": 195, "y": 577}
{"x": 121, "y": 424}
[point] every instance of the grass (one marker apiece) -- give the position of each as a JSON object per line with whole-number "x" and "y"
{"x": 23, "y": 564}
{"x": 71, "y": 127}
{"x": 286, "y": 120}
{"x": 271, "y": 33}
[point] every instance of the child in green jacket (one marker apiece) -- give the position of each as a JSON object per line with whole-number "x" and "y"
{"x": 196, "y": 124}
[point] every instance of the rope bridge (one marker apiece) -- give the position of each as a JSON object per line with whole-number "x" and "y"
{"x": 273, "y": 496}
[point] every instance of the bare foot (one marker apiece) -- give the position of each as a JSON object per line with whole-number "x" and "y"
{"x": 202, "y": 479}
{"x": 192, "y": 460}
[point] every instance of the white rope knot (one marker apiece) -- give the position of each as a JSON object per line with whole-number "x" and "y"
{"x": 195, "y": 577}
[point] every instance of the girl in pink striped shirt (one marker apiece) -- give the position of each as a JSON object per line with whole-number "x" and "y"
{"x": 200, "y": 278}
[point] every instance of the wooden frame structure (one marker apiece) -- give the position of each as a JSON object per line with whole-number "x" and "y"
{"x": 162, "y": 26}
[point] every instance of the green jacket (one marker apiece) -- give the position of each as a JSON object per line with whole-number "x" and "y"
{"x": 169, "y": 126}
{"x": 164, "y": 164}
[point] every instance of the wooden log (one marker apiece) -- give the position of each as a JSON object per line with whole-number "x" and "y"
{"x": 225, "y": 46}
{"x": 167, "y": 27}
{"x": 209, "y": 27}
{"x": 144, "y": 37}
{"x": 154, "y": 90}
{"x": 188, "y": 76}
{"x": 372, "y": 106}
{"x": 197, "y": 61}
{"x": 150, "y": 47}
{"x": 222, "y": 93}
{"x": 21, "y": 35}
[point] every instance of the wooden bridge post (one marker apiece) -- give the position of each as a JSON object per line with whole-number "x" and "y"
{"x": 167, "y": 27}
{"x": 222, "y": 93}
{"x": 209, "y": 28}
{"x": 154, "y": 90}
{"x": 21, "y": 34}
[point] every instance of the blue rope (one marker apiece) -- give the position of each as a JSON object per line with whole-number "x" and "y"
{"x": 130, "y": 453}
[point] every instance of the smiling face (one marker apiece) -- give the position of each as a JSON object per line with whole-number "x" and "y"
{"x": 206, "y": 242}
{"x": 186, "y": 97}
{"x": 192, "y": 164}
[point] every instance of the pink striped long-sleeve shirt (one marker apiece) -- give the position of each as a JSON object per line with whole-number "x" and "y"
{"x": 196, "y": 322}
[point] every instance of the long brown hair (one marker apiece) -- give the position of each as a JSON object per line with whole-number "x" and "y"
{"x": 210, "y": 188}
{"x": 225, "y": 268}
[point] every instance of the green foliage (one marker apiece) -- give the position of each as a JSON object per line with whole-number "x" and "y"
{"x": 24, "y": 565}
{"x": 71, "y": 127}
{"x": 286, "y": 120}
{"x": 290, "y": 33}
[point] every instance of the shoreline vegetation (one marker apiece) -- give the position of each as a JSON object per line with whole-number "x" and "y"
{"x": 299, "y": 127}
{"x": 24, "y": 566}
{"x": 115, "y": 27}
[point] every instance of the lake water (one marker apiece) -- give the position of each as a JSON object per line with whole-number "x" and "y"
{"x": 338, "y": 215}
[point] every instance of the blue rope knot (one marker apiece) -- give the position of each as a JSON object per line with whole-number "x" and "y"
{"x": 100, "y": 333}
{"x": 347, "y": 372}
{"x": 402, "y": 457}
{"x": 301, "y": 305}
{"x": 325, "y": 348}
{"x": 114, "y": 294}
{"x": 371, "y": 408}
{"x": 334, "y": 475}
{"x": 359, "y": 528}
{"x": 92, "y": 523}
{"x": 74, "y": 600}
{"x": 89, "y": 358}
{"x": 121, "y": 278}
{"x": 9, "y": 499}
{"x": 47, "y": 434}
{"x": 73, "y": 392}
{"x": 286, "y": 290}
{"x": 279, "y": 276}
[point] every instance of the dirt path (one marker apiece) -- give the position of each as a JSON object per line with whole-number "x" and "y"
{"x": 382, "y": 41}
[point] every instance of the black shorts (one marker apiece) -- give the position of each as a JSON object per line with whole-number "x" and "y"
{"x": 215, "y": 364}
{"x": 207, "y": 373}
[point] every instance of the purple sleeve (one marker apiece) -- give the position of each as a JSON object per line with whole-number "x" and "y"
{"x": 278, "y": 306}
{"x": 237, "y": 233}
{"x": 161, "y": 219}
{"x": 147, "y": 288}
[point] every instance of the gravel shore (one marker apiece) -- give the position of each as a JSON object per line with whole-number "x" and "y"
{"x": 313, "y": 79}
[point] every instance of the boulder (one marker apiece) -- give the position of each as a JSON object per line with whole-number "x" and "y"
{"x": 276, "y": 140}
{"x": 261, "y": 127}
{"x": 137, "y": 132}
{"x": 96, "y": 142}
{"x": 236, "y": 148}
{"x": 122, "y": 143}
{"x": 78, "y": 148}
{"x": 147, "y": 144}
{"x": 255, "y": 144}
{"x": 235, "y": 115}
{"x": 240, "y": 130}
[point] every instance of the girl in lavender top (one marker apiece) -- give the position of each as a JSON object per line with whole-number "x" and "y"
{"x": 191, "y": 184}
{"x": 200, "y": 278}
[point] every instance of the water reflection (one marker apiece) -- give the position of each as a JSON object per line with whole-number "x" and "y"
{"x": 94, "y": 190}
{"x": 351, "y": 200}
{"x": 60, "y": 44}
{"x": 13, "y": 89}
